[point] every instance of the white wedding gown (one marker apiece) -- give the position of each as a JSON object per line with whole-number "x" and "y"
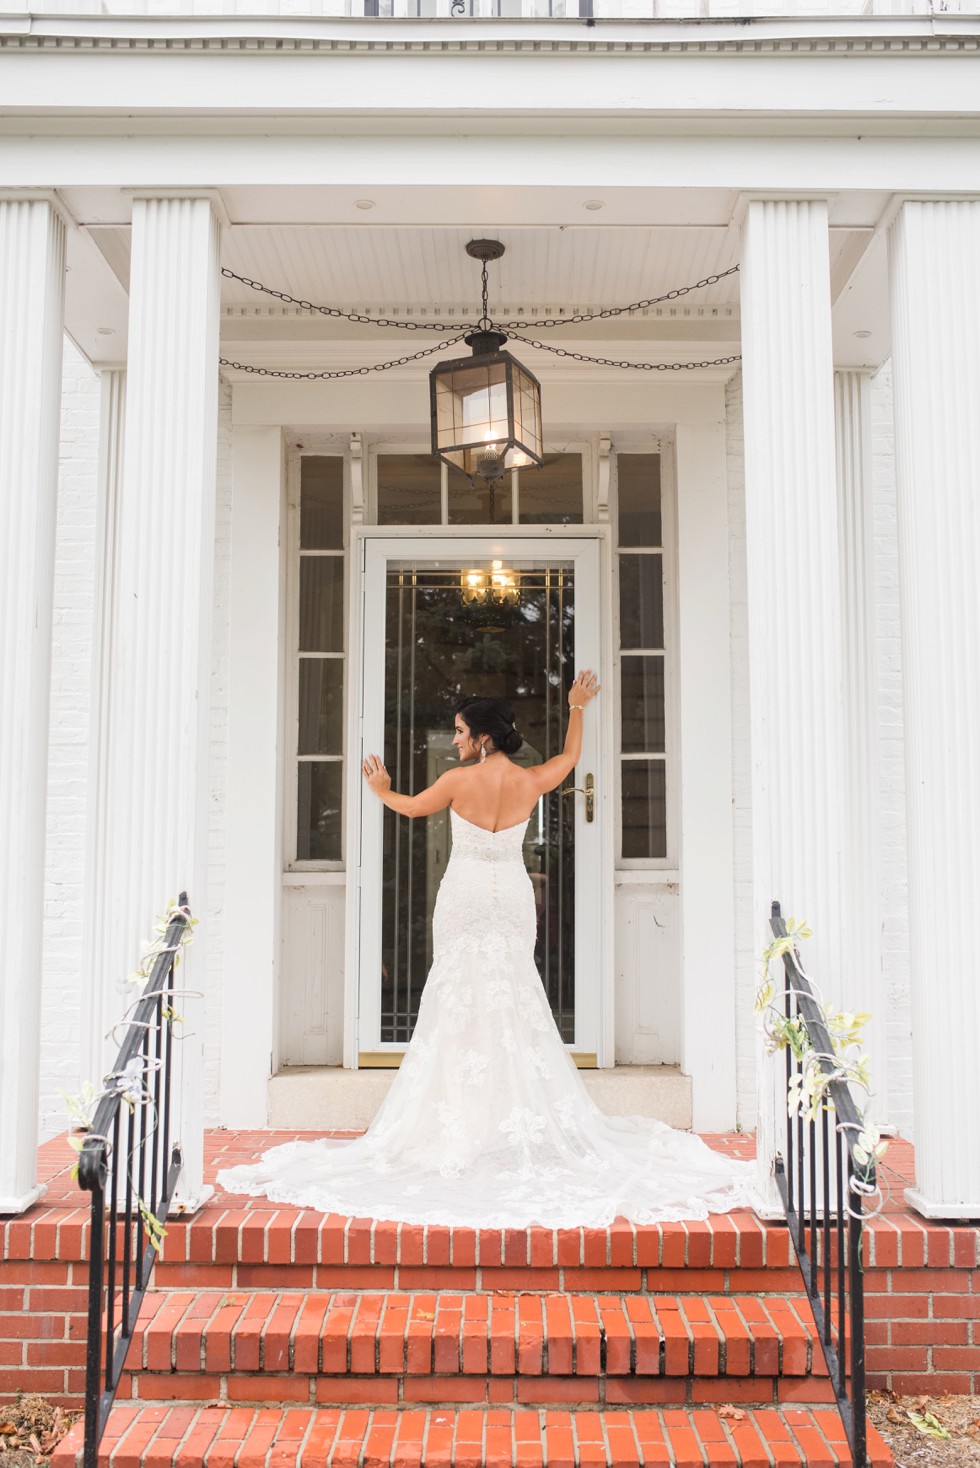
{"x": 488, "y": 1123}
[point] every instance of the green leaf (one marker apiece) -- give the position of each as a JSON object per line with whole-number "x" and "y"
{"x": 928, "y": 1424}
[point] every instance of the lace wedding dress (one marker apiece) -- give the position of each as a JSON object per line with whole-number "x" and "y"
{"x": 488, "y": 1123}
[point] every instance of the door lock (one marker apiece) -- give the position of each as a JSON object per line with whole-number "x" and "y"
{"x": 588, "y": 791}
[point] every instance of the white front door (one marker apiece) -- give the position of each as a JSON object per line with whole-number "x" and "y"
{"x": 442, "y": 617}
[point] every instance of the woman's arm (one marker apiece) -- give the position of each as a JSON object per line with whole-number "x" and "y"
{"x": 550, "y": 775}
{"x": 426, "y": 803}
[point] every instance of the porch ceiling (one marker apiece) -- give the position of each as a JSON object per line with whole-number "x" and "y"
{"x": 422, "y": 271}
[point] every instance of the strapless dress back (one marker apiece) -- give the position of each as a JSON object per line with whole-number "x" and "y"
{"x": 487, "y": 1122}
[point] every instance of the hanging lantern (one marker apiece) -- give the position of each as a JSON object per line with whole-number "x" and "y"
{"x": 486, "y": 409}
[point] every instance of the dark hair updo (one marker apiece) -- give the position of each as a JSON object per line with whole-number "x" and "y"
{"x": 493, "y": 716}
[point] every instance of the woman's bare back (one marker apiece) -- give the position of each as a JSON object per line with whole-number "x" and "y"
{"x": 496, "y": 794}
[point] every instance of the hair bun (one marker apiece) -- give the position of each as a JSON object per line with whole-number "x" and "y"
{"x": 511, "y": 742}
{"x": 493, "y": 716}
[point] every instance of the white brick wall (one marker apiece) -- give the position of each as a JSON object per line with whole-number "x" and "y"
{"x": 68, "y": 774}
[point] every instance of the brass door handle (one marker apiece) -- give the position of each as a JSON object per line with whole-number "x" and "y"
{"x": 588, "y": 791}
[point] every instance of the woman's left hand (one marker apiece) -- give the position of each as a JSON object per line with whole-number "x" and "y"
{"x": 375, "y": 774}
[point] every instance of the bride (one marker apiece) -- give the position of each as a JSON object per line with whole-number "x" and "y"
{"x": 488, "y": 1123}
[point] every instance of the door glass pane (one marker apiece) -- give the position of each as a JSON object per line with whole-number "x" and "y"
{"x": 644, "y": 808}
{"x": 641, "y": 601}
{"x": 409, "y": 489}
{"x": 552, "y": 494}
{"x": 439, "y": 649}
{"x": 642, "y": 687}
{"x": 321, "y": 604}
{"x": 319, "y": 810}
{"x": 321, "y": 705}
{"x": 638, "y": 477}
{"x": 321, "y": 517}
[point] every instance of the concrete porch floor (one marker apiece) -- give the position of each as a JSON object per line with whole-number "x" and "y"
{"x": 331, "y": 1098}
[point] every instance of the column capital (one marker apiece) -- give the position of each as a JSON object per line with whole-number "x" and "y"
{"x": 40, "y": 196}
{"x": 211, "y": 196}
{"x": 897, "y": 202}
{"x": 779, "y": 196}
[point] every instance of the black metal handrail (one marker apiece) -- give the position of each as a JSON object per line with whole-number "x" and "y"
{"x": 131, "y": 1186}
{"x": 827, "y": 1205}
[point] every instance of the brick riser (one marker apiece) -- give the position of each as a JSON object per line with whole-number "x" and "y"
{"x": 393, "y": 1348}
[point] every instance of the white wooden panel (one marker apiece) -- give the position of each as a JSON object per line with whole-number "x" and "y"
{"x": 648, "y": 973}
{"x": 312, "y": 986}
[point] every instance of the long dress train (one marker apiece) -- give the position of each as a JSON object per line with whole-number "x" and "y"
{"x": 487, "y": 1122}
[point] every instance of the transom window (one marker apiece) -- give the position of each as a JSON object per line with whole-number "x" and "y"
{"x": 415, "y": 489}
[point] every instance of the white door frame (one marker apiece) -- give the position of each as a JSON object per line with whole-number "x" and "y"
{"x": 372, "y": 547}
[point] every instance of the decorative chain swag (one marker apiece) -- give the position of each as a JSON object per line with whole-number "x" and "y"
{"x": 456, "y": 333}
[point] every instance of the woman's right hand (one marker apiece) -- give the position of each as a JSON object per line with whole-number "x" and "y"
{"x": 375, "y": 774}
{"x": 584, "y": 689}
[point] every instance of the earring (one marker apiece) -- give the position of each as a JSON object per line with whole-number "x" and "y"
{"x": 483, "y": 754}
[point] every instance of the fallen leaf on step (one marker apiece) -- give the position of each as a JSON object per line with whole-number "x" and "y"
{"x": 929, "y": 1424}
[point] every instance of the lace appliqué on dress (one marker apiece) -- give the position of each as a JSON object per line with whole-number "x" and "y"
{"x": 487, "y": 1123}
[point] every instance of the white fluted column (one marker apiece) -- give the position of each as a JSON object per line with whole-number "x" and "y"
{"x": 793, "y": 586}
{"x": 935, "y": 290}
{"x": 156, "y": 833}
{"x": 860, "y": 986}
{"x": 32, "y": 275}
{"x": 105, "y": 1002}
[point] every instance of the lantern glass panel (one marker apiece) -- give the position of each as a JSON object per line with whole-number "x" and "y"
{"x": 485, "y": 401}
{"x": 527, "y": 412}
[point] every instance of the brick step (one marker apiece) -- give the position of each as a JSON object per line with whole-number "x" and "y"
{"x": 216, "y": 1437}
{"x": 252, "y": 1248}
{"x": 504, "y": 1347}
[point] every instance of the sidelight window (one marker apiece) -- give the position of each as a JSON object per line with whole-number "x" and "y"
{"x": 319, "y": 681}
{"x": 643, "y": 658}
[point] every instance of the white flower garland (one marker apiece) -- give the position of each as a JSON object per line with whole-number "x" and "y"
{"x": 809, "y": 1089}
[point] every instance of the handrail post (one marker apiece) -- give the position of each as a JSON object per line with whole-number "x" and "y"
{"x": 839, "y": 1317}
{"x": 145, "y": 1173}
{"x": 93, "y": 1358}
